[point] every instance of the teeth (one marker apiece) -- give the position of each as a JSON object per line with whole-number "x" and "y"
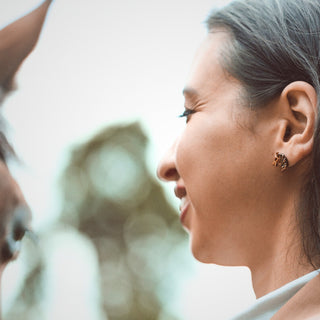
{"x": 183, "y": 203}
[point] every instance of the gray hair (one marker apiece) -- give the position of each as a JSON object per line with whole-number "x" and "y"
{"x": 274, "y": 43}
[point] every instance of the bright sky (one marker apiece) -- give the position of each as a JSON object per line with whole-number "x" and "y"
{"x": 99, "y": 62}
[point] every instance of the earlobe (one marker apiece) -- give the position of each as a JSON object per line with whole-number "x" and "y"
{"x": 298, "y": 102}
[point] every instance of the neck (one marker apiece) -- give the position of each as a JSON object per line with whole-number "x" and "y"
{"x": 281, "y": 260}
{"x": 277, "y": 257}
{"x": 275, "y": 273}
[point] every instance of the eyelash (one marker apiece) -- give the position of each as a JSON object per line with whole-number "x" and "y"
{"x": 186, "y": 113}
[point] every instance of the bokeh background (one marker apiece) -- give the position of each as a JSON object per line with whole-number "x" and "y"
{"x": 97, "y": 106}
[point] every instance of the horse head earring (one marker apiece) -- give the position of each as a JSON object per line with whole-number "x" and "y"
{"x": 281, "y": 161}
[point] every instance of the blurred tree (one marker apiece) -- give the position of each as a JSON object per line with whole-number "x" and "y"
{"x": 110, "y": 197}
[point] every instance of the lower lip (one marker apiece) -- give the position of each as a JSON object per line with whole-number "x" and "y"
{"x": 183, "y": 212}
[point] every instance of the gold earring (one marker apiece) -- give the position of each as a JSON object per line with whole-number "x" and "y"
{"x": 281, "y": 161}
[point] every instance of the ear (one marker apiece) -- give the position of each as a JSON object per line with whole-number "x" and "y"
{"x": 298, "y": 112}
{"x": 16, "y": 42}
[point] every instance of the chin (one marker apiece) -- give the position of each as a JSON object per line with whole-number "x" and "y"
{"x": 201, "y": 252}
{"x": 204, "y": 253}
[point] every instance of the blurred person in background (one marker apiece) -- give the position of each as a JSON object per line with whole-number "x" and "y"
{"x": 247, "y": 165}
{"x": 16, "y": 42}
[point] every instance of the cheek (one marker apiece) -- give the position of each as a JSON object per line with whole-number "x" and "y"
{"x": 203, "y": 161}
{"x": 218, "y": 165}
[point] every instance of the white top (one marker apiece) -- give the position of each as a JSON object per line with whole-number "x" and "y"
{"x": 265, "y": 307}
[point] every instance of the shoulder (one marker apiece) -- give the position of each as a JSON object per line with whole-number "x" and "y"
{"x": 304, "y": 305}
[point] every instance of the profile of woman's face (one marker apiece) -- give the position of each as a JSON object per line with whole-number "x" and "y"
{"x": 222, "y": 164}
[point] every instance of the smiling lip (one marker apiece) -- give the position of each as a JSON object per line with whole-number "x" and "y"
{"x": 184, "y": 206}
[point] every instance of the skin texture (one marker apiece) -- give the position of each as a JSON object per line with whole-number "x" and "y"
{"x": 237, "y": 207}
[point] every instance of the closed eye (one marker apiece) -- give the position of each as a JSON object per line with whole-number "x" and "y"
{"x": 186, "y": 113}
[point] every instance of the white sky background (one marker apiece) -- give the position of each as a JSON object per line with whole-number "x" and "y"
{"x": 99, "y": 62}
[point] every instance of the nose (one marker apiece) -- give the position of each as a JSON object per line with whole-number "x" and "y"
{"x": 167, "y": 169}
{"x": 15, "y": 216}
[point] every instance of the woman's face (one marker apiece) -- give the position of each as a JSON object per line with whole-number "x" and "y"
{"x": 222, "y": 164}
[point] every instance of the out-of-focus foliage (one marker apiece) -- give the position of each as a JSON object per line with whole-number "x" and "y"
{"x": 110, "y": 197}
